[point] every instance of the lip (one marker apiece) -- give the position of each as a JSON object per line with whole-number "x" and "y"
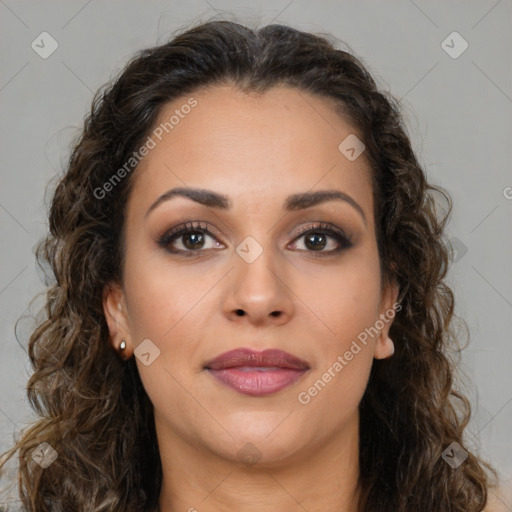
{"x": 257, "y": 373}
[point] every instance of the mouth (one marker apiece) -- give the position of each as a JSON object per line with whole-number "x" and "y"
{"x": 257, "y": 373}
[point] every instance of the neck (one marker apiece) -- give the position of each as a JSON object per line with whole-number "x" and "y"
{"x": 322, "y": 477}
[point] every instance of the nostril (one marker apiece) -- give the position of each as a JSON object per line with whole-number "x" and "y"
{"x": 240, "y": 312}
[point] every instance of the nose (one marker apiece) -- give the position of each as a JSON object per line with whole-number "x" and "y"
{"x": 258, "y": 293}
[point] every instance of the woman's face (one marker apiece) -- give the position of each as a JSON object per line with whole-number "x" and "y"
{"x": 315, "y": 295}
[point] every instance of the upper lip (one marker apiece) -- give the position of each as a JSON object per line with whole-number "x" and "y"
{"x": 248, "y": 357}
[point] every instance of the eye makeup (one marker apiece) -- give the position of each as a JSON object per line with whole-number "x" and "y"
{"x": 194, "y": 232}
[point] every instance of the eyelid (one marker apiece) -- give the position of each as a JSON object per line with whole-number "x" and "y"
{"x": 323, "y": 226}
{"x": 164, "y": 238}
{"x": 343, "y": 239}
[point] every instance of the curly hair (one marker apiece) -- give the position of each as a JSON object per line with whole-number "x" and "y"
{"x": 92, "y": 406}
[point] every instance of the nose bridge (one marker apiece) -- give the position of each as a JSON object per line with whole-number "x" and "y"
{"x": 257, "y": 283}
{"x": 257, "y": 265}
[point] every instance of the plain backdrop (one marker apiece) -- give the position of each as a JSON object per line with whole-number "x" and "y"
{"x": 457, "y": 103}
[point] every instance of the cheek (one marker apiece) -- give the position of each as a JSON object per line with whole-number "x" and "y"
{"x": 170, "y": 307}
{"x": 333, "y": 394}
{"x": 346, "y": 307}
{"x": 343, "y": 360}
{"x": 159, "y": 297}
{"x": 164, "y": 307}
{"x": 341, "y": 303}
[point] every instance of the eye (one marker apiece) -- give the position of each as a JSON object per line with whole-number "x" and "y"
{"x": 191, "y": 237}
{"x": 316, "y": 239}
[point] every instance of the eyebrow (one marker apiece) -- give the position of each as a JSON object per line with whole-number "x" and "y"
{"x": 220, "y": 201}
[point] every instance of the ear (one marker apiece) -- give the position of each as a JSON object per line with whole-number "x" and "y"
{"x": 384, "y": 346}
{"x": 114, "y": 307}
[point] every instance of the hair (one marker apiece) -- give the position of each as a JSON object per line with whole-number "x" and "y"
{"x": 92, "y": 407}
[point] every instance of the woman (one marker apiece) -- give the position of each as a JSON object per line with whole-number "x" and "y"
{"x": 249, "y": 309}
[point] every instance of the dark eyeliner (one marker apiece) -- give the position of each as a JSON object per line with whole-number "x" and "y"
{"x": 169, "y": 236}
{"x": 344, "y": 241}
{"x": 336, "y": 234}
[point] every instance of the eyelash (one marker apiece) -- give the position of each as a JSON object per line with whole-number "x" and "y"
{"x": 170, "y": 236}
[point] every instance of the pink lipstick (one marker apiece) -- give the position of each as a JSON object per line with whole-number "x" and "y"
{"x": 257, "y": 373}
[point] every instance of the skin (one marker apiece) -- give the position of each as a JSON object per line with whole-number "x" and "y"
{"x": 258, "y": 150}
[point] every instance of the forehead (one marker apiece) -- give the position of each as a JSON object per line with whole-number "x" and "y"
{"x": 253, "y": 147}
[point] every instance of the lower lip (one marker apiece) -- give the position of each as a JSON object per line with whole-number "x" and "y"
{"x": 257, "y": 382}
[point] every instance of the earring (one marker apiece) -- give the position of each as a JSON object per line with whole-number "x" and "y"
{"x": 122, "y": 346}
{"x": 391, "y": 346}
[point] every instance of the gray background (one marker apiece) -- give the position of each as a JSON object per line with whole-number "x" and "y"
{"x": 458, "y": 112}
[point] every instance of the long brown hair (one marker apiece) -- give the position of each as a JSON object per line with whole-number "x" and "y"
{"x": 93, "y": 408}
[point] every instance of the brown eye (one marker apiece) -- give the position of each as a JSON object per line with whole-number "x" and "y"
{"x": 317, "y": 238}
{"x": 315, "y": 241}
{"x": 192, "y": 238}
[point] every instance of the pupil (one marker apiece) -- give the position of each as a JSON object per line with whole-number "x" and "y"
{"x": 316, "y": 241}
{"x": 194, "y": 236}
{"x": 314, "y": 238}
